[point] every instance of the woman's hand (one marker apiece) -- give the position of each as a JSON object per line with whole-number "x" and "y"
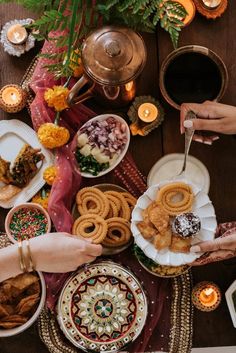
{"x": 218, "y": 249}
{"x": 62, "y": 252}
{"x": 212, "y": 116}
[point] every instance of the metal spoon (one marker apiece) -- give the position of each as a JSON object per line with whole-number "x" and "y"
{"x": 189, "y": 132}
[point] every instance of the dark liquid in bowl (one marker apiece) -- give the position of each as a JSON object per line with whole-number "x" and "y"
{"x": 192, "y": 77}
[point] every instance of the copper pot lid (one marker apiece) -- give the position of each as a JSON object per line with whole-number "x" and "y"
{"x": 113, "y": 55}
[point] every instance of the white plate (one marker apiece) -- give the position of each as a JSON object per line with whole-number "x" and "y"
{"x": 229, "y": 299}
{"x": 13, "y": 135}
{"x": 202, "y": 206}
{"x": 170, "y": 165}
{"x": 122, "y": 154}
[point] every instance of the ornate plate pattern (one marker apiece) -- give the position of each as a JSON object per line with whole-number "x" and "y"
{"x": 202, "y": 206}
{"x": 102, "y": 308}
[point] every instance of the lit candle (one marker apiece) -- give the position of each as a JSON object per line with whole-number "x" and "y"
{"x": 211, "y": 4}
{"x": 206, "y": 296}
{"x": 12, "y": 98}
{"x": 147, "y": 112}
{"x": 17, "y": 34}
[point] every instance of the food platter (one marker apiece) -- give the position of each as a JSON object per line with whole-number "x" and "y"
{"x": 14, "y": 134}
{"x": 106, "y": 251}
{"x": 202, "y": 207}
{"x": 102, "y": 137}
{"x": 102, "y": 308}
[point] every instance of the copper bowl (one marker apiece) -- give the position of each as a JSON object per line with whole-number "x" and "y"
{"x": 189, "y": 77}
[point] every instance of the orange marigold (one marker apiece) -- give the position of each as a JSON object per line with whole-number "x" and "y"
{"x": 52, "y": 136}
{"x": 42, "y": 200}
{"x": 49, "y": 174}
{"x": 56, "y": 97}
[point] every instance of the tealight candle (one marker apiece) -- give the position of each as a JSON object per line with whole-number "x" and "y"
{"x": 147, "y": 112}
{"x": 17, "y": 34}
{"x": 206, "y": 296}
{"x": 12, "y": 98}
{"x": 211, "y": 4}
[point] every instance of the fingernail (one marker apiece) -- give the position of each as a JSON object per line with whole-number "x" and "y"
{"x": 195, "y": 248}
{"x": 188, "y": 123}
{"x": 215, "y": 138}
{"x": 207, "y": 142}
{"x": 198, "y": 139}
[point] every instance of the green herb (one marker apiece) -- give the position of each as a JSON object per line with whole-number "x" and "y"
{"x": 143, "y": 258}
{"x": 89, "y": 164}
{"x": 76, "y": 18}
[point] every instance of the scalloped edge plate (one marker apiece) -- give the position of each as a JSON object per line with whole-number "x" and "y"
{"x": 202, "y": 206}
{"x": 122, "y": 154}
{"x": 230, "y": 303}
{"x": 19, "y": 133}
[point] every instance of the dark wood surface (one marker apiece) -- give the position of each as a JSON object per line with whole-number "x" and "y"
{"x": 210, "y": 329}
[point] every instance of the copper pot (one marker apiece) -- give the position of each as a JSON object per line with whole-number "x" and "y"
{"x": 112, "y": 58}
{"x": 192, "y": 74}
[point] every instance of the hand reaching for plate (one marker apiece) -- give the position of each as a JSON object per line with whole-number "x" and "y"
{"x": 216, "y": 250}
{"x": 212, "y": 116}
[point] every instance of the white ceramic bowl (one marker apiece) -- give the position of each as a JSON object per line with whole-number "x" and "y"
{"x": 16, "y": 330}
{"x": 123, "y": 152}
{"x": 16, "y": 208}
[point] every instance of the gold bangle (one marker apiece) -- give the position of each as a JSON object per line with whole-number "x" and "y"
{"x": 21, "y": 257}
{"x": 29, "y": 257}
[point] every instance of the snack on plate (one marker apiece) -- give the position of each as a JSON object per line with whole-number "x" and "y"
{"x": 176, "y": 198}
{"x": 100, "y": 143}
{"x": 8, "y": 191}
{"x": 118, "y": 232}
{"x": 23, "y": 168}
{"x": 98, "y": 208}
{"x": 19, "y": 297}
{"x": 92, "y": 200}
{"x": 158, "y": 224}
{"x": 186, "y": 225}
{"x": 90, "y": 226}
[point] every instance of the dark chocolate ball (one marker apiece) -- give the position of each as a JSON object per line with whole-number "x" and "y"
{"x": 186, "y": 225}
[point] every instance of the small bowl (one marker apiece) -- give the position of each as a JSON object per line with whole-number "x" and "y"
{"x": 16, "y": 330}
{"x": 122, "y": 153}
{"x": 29, "y": 205}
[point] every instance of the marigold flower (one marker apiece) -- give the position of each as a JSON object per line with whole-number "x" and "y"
{"x": 49, "y": 174}
{"x": 42, "y": 200}
{"x": 52, "y": 136}
{"x": 56, "y": 97}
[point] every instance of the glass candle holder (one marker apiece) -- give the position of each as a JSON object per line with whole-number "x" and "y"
{"x": 206, "y": 296}
{"x": 211, "y": 4}
{"x": 12, "y": 98}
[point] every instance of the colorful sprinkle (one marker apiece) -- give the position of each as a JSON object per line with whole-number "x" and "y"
{"x": 27, "y": 223}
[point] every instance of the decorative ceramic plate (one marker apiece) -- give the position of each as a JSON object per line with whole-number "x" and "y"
{"x": 102, "y": 308}
{"x": 202, "y": 206}
{"x": 156, "y": 269}
{"x": 231, "y": 301}
{"x": 106, "y": 251}
{"x": 101, "y": 118}
{"x": 13, "y": 135}
{"x": 171, "y": 164}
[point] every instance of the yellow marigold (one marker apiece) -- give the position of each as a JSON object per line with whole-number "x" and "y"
{"x": 76, "y": 64}
{"x": 49, "y": 174}
{"x": 42, "y": 200}
{"x": 56, "y": 97}
{"x": 52, "y": 136}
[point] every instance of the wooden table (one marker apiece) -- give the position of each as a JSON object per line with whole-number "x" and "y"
{"x": 210, "y": 329}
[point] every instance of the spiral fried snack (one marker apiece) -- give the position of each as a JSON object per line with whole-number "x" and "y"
{"x": 124, "y": 208}
{"x": 91, "y": 226}
{"x": 118, "y": 233}
{"x": 115, "y": 206}
{"x": 130, "y": 199}
{"x": 92, "y": 200}
{"x": 168, "y": 194}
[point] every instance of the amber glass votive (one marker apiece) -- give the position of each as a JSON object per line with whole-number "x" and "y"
{"x": 206, "y": 296}
{"x": 12, "y": 98}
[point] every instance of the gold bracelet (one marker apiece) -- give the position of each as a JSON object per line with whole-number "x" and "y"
{"x": 21, "y": 257}
{"x": 29, "y": 257}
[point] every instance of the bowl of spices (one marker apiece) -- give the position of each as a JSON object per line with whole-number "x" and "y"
{"x": 27, "y": 220}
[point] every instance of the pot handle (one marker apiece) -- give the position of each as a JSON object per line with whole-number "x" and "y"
{"x": 72, "y": 99}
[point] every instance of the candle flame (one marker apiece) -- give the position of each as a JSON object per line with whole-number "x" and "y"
{"x": 208, "y": 291}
